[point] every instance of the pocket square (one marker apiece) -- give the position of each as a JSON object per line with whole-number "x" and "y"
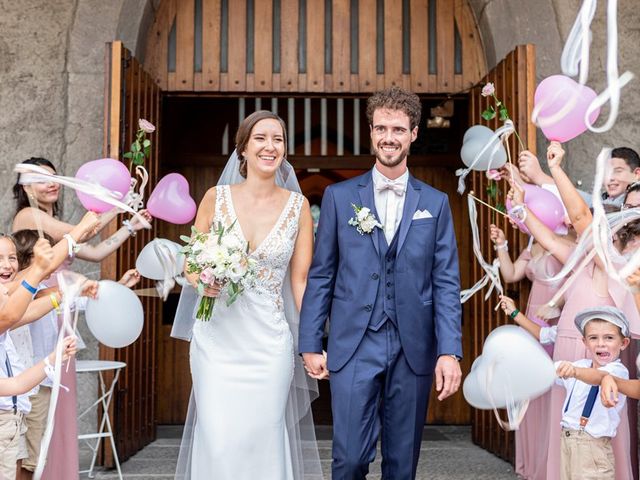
{"x": 422, "y": 214}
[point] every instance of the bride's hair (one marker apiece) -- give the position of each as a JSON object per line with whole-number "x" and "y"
{"x": 244, "y": 133}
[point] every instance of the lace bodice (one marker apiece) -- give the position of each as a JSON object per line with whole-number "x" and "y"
{"x": 274, "y": 253}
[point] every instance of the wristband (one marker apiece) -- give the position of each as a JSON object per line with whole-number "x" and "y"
{"x": 72, "y": 245}
{"x": 514, "y": 314}
{"x": 504, "y": 246}
{"x": 54, "y": 302}
{"x": 132, "y": 232}
{"x": 519, "y": 212}
{"x": 33, "y": 290}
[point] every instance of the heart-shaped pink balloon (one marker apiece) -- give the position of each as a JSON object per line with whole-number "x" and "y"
{"x": 562, "y": 103}
{"x": 544, "y": 205}
{"x": 109, "y": 173}
{"x": 170, "y": 200}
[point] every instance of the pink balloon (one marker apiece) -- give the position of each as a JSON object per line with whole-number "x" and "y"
{"x": 170, "y": 200}
{"x": 107, "y": 172}
{"x": 563, "y": 103}
{"x": 544, "y": 205}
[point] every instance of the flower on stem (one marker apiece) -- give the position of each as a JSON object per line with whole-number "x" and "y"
{"x": 141, "y": 146}
{"x": 488, "y": 90}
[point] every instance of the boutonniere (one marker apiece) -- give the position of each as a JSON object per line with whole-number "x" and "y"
{"x": 364, "y": 221}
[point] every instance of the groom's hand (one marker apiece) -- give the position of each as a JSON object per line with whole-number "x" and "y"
{"x": 315, "y": 364}
{"x": 448, "y": 376}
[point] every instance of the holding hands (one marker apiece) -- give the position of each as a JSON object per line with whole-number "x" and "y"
{"x": 316, "y": 365}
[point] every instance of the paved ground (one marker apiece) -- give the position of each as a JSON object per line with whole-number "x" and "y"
{"x": 447, "y": 454}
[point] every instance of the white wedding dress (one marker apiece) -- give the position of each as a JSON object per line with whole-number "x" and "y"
{"x": 242, "y": 363}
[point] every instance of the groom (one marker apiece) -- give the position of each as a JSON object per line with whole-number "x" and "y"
{"x": 389, "y": 281}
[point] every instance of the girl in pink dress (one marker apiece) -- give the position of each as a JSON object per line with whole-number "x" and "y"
{"x": 536, "y": 264}
{"x": 591, "y": 287}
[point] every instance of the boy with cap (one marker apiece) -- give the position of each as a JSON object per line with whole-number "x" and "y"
{"x": 587, "y": 426}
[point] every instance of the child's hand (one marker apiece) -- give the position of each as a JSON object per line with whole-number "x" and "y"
{"x": 42, "y": 255}
{"x": 89, "y": 289}
{"x": 634, "y": 279}
{"x": 496, "y": 235}
{"x": 516, "y": 194}
{"x": 566, "y": 370}
{"x": 555, "y": 154}
{"x": 130, "y": 278}
{"x": 69, "y": 349}
{"x": 508, "y": 305}
{"x": 609, "y": 391}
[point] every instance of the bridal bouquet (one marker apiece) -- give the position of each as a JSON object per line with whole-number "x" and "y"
{"x": 218, "y": 257}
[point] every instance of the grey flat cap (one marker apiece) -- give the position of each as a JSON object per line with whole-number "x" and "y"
{"x": 606, "y": 313}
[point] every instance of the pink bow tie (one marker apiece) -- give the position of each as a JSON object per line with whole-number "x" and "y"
{"x": 395, "y": 186}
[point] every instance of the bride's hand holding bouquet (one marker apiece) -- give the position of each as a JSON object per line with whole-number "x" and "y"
{"x": 219, "y": 264}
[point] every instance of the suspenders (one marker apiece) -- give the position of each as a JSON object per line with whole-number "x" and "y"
{"x": 588, "y": 405}
{"x": 14, "y": 398}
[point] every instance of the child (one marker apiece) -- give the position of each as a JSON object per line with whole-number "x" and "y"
{"x": 587, "y": 427}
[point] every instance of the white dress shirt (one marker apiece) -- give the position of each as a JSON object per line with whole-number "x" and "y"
{"x": 389, "y": 205}
{"x": 7, "y": 349}
{"x": 603, "y": 421}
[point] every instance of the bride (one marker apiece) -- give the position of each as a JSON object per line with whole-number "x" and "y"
{"x": 249, "y": 414}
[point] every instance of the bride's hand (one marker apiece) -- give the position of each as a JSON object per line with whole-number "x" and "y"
{"x": 213, "y": 290}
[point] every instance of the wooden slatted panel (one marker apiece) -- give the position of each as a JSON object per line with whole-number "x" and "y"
{"x": 420, "y": 46}
{"x": 185, "y": 44}
{"x": 133, "y": 94}
{"x": 211, "y": 45}
{"x": 315, "y": 46}
{"x": 367, "y": 43}
{"x": 263, "y": 46}
{"x": 445, "y": 42}
{"x": 392, "y": 43}
{"x": 473, "y": 57}
{"x": 341, "y": 23}
{"x": 237, "y": 78}
{"x": 289, "y": 79}
{"x": 514, "y": 79}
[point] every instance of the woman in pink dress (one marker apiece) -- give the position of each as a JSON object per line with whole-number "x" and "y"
{"x": 591, "y": 286}
{"x": 536, "y": 264}
{"x": 62, "y": 459}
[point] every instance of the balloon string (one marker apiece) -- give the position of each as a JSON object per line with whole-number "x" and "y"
{"x": 471, "y": 194}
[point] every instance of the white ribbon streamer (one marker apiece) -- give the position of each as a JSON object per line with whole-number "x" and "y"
{"x": 136, "y": 199}
{"x": 576, "y": 53}
{"x": 515, "y": 410}
{"x": 499, "y": 136}
{"x": 34, "y": 173}
{"x": 169, "y": 264}
{"x": 492, "y": 271}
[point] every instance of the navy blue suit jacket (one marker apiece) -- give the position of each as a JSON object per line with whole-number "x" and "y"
{"x": 344, "y": 275}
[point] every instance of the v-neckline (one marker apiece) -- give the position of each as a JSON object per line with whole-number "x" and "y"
{"x": 232, "y": 209}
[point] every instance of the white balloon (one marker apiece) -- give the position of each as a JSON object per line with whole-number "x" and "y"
{"x": 116, "y": 317}
{"x": 477, "y": 132}
{"x": 513, "y": 367}
{"x": 489, "y": 159}
{"x": 149, "y": 262}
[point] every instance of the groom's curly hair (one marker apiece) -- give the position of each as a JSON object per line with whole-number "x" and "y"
{"x": 244, "y": 134}
{"x": 395, "y": 98}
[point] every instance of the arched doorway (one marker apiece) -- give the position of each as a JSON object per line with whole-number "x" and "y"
{"x": 314, "y": 62}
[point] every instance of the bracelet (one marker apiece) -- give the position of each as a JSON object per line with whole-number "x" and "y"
{"x": 504, "y": 246}
{"x": 514, "y": 314}
{"x": 72, "y": 245}
{"x": 132, "y": 232}
{"x": 33, "y": 290}
{"x": 519, "y": 212}
{"x": 54, "y": 302}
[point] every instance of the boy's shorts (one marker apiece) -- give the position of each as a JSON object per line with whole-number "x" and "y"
{"x": 583, "y": 457}
{"x": 36, "y": 421}
{"x": 12, "y": 443}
